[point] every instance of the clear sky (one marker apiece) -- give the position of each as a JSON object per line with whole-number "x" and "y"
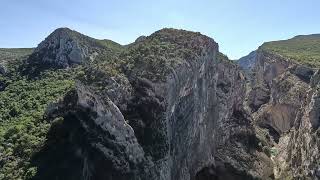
{"x": 239, "y": 26}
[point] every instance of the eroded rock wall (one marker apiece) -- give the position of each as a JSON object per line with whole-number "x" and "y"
{"x": 188, "y": 125}
{"x": 284, "y": 100}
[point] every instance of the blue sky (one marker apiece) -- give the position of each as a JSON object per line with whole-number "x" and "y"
{"x": 239, "y": 26}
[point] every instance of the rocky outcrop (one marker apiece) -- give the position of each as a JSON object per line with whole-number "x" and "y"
{"x": 3, "y": 69}
{"x": 184, "y": 120}
{"x": 268, "y": 98}
{"x": 64, "y": 48}
{"x": 284, "y": 100}
{"x": 303, "y": 143}
{"x": 258, "y": 96}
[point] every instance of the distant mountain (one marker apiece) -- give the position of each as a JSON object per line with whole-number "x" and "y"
{"x": 247, "y": 62}
{"x": 303, "y": 49}
{"x": 65, "y": 47}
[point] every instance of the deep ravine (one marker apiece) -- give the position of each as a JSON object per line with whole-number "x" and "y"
{"x": 284, "y": 100}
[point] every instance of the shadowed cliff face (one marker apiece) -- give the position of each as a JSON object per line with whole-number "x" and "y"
{"x": 221, "y": 172}
{"x": 183, "y": 120}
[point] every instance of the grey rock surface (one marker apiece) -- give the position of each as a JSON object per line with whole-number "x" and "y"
{"x": 3, "y": 69}
{"x": 64, "y": 48}
{"x": 188, "y": 125}
{"x": 291, "y": 115}
{"x": 248, "y": 62}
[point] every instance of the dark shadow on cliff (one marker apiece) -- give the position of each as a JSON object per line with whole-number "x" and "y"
{"x": 78, "y": 148}
{"x": 221, "y": 172}
{"x": 59, "y": 158}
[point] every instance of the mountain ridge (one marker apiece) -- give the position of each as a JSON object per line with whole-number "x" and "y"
{"x": 168, "y": 106}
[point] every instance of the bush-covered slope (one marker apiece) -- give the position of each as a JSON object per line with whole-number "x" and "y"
{"x": 29, "y": 86}
{"x": 14, "y": 53}
{"x": 162, "y": 51}
{"x": 22, "y": 129}
{"x": 304, "y": 49}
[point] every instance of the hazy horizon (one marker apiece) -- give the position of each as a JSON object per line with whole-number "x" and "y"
{"x": 238, "y": 26}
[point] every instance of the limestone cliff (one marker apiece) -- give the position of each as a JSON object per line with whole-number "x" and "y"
{"x": 168, "y": 106}
{"x": 174, "y": 111}
{"x": 283, "y": 99}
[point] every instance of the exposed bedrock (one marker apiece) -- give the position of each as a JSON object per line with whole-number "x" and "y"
{"x": 284, "y": 99}
{"x": 278, "y": 87}
{"x": 189, "y": 126}
{"x": 64, "y": 48}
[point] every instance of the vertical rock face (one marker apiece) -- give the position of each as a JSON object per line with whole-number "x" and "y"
{"x": 269, "y": 98}
{"x": 183, "y": 120}
{"x": 249, "y": 61}
{"x": 284, "y": 100}
{"x": 303, "y": 144}
{"x": 206, "y": 119}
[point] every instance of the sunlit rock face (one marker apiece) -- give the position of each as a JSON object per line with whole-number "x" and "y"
{"x": 64, "y": 48}
{"x": 284, "y": 99}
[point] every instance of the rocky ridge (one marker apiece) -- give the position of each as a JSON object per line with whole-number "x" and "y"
{"x": 183, "y": 120}
{"x": 170, "y": 106}
{"x": 66, "y": 48}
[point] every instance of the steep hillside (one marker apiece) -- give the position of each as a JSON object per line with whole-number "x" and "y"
{"x": 24, "y": 99}
{"x": 283, "y": 98}
{"x": 22, "y": 104}
{"x": 8, "y": 55}
{"x": 304, "y": 49}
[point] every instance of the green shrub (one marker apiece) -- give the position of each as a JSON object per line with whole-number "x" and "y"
{"x": 22, "y": 128}
{"x": 302, "y": 49}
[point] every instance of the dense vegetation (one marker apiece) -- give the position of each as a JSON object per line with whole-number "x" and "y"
{"x": 161, "y": 51}
{"x": 22, "y": 105}
{"x": 302, "y": 49}
{"x": 7, "y": 54}
{"x": 29, "y": 86}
